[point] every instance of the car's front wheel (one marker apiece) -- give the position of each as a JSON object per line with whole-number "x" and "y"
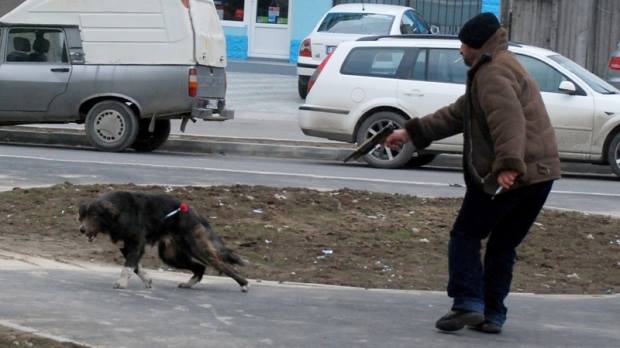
{"x": 382, "y": 157}
{"x": 613, "y": 154}
{"x": 111, "y": 126}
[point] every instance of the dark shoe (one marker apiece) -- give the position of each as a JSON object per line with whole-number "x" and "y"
{"x": 456, "y": 320}
{"x": 487, "y": 327}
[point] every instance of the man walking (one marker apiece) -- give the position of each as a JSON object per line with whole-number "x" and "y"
{"x": 510, "y": 160}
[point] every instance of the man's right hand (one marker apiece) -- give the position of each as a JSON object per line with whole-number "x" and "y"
{"x": 397, "y": 139}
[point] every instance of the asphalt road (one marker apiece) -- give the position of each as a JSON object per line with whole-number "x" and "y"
{"x": 77, "y": 303}
{"x": 23, "y": 166}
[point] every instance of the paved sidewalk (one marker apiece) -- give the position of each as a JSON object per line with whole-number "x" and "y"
{"x": 76, "y": 302}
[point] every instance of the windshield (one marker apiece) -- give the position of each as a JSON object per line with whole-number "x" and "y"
{"x": 357, "y": 23}
{"x": 595, "y": 82}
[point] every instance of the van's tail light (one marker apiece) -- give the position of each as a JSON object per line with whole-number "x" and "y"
{"x": 305, "y": 50}
{"x": 185, "y": 3}
{"x": 318, "y": 70}
{"x": 614, "y": 63}
{"x": 192, "y": 88}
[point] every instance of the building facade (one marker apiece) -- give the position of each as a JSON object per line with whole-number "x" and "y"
{"x": 275, "y": 28}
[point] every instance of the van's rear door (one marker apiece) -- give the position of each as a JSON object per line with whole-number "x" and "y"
{"x": 210, "y": 42}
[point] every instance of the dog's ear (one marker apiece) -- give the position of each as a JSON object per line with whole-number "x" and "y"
{"x": 110, "y": 209}
{"x": 82, "y": 210}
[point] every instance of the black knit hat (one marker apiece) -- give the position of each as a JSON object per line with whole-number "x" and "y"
{"x": 479, "y": 29}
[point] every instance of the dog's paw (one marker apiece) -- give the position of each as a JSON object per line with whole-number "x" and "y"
{"x": 118, "y": 285}
{"x": 148, "y": 283}
{"x": 245, "y": 288}
{"x": 185, "y": 285}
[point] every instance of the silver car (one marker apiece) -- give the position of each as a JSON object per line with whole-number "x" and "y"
{"x": 613, "y": 69}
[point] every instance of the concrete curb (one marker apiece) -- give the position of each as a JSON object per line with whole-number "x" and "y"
{"x": 276, "y": 148}
{"x": 189, "y": 144}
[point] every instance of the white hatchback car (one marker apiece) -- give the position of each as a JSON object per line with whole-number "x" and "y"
{"x": 349, "y": 22}
{"x": 366, "y": 84}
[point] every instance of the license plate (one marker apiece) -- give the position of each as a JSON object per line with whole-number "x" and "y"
{"x": 329, "y": 49}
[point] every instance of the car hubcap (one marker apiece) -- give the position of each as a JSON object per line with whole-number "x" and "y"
{"x": 109, "y": 126}
{"x": 617, "y": 155}
{"x": 381, "y": 152}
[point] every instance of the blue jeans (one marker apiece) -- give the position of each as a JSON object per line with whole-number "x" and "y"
{"x": 505, "y": 220}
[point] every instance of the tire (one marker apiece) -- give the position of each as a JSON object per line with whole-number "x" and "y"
{"x": 302, "y": 86}
{"x": 613, "y": 154}
{"x": 421, "y": 160}
{"x": 383, "y": 157}
{"x": 111, "y": 126}
{"x": 149, "y": 141}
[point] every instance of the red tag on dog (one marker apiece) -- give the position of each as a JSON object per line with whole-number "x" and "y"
{"x": 183, "y": 208}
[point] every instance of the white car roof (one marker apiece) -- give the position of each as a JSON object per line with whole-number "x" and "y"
{"x": 370, "y": 8}
{"x": 450, "y": 43}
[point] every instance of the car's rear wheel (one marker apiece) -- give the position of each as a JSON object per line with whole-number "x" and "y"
{"x": 302, "y": 86}
{"x": 382, "y": 157}
{"x": 149, "y": 141}
{"x": 613, "y": 154}
{"x": 111, "y": 126}
{"x": 421, "y": 160}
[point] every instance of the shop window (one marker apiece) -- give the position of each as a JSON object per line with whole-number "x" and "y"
{"x": 272, "y": 11}
{"x": 230, "y": 10}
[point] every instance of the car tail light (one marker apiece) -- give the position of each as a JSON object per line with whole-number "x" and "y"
{"x": 305, "y": 50}
{"x": 192, "y": 88}
{"x": 318, "y": 70}
{"x": 614, "y": 63}
{"x": 185, "y": 3}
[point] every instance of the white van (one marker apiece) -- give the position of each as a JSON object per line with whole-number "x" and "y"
{"x": 123, "y": 68}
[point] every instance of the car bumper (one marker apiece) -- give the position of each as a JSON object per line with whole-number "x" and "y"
{"x": 325, "y": 123}
{"x": 305, "y": 69}
{"x": 211, "y": 110}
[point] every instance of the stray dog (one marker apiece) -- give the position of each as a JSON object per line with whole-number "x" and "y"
{"x": 185, "y": 239}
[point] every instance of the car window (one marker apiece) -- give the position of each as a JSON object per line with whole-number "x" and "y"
{"x": 423, "y": 27}
{"x": 357, "y": 23}
{"x": 373, "y": 61}
{"x": 595, "y": 82}
{"x": 36, "y": 45}
{"x": 439, "y": 65}
{"x": 547, "y": 78}
{"x": 409, "y": 25}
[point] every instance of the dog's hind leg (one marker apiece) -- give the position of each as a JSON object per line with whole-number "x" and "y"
{"x": 198, "y": 270}
{"x": 202, "y": 243}
{"x": 172, "y": 254}
{"x": 144, "y": 276}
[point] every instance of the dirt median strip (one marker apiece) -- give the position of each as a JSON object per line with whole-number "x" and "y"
{"x": 18, "y": 336}
{"x": 343, "y": 237}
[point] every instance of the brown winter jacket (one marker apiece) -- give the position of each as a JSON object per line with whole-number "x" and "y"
{"x": 503, "y": 119}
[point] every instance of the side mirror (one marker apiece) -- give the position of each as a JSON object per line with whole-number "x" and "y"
{"x": 434, "y": 29}
{"x": 568, "y": 87}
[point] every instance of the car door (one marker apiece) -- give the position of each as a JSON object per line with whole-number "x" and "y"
{"x": 572, "y": 116}
{"x": 437, "y": 78}
{"x": 35, "y": 69}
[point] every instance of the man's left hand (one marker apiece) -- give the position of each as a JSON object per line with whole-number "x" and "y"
{"x": 507, "y": 178}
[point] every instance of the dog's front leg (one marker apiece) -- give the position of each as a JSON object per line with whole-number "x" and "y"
{"x": 132, "y": 252}
{"x": 144, "y": 276}
{"x": 122, "y": 281}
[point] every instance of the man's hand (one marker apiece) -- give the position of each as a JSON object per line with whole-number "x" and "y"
{"x": 395, "y": 140}
{"x": 507, "y": 178}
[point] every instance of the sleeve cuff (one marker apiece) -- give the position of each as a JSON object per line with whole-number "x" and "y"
{"x": 509, "y": 163}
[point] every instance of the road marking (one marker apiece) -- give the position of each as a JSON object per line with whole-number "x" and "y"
{"x": 298, "y": 175}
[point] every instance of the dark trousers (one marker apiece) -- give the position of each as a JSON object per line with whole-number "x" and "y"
{"x": 505, "y": 220}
